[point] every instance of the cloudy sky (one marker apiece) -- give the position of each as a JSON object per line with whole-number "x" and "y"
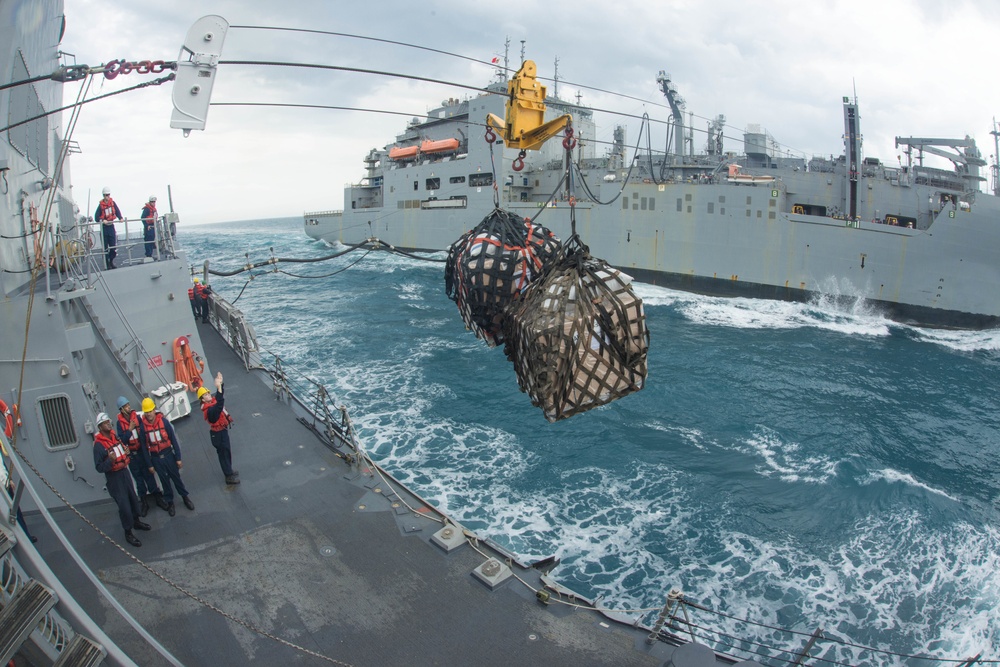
{"x": 919, "y": 68}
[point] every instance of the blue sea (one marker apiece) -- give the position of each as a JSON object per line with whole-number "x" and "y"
{"x": 800, "y": 466}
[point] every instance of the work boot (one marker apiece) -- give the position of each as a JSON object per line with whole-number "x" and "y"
{"x": 232, "y": 479}
{"x": 139, "y": 525}
{"x": 143, "y": 507}
{"x": 188, "y": 503}
{"x": 161, "y": 503}
{"x": 132, "y": 539}
{"x": 170, "y": 509}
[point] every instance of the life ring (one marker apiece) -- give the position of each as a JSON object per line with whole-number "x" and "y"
{"x": 188, "y": 366}
{"x": 8, "y": 419}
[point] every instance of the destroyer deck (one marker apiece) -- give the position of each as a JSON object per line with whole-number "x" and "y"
{"x": 301, "y": 551}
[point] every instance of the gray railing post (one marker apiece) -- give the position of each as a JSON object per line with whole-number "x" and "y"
{"x": 809, "y": 644}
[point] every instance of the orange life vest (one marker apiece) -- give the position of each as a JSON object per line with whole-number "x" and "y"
{"x": 117, "y": 452}
{"x": 108, "y": 209}
{"x": 224, "y": 421}
{"x": 190, "y": 293}
{"x": 130, "y": 425}
{"x": 156, "y": 434}
{"x": 201, "y": 290}
{"x": 150, "y": 219}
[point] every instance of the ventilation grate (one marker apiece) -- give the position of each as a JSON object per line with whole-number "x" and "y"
{"x": 58, "y": 421}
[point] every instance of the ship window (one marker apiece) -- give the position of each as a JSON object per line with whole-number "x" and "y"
{"x": 635, "y": 195}
{"x": 722, "y": 199}
{"x": 680, "y": 204}
{"x": 416, "y": 184}
{"x": 57, "y": 421}
{"x": 748, "y": 213}
{"x": 625, "y": 204}
{"x": 457, "y": 179}
{"x": 722, "y": 210}
{"x": 711, "y": 207}
{"x": 689, "y": 209}
{"x": 749, "y": 201}
{"x": 652, "y": 203}
{"x": 401, "y": 203}
{"x": 642, "y": 205}
{"x": 433, "y": 183}
{"x": 687, "y": 197}
{"x": 772, "y": 203}
{"x": 480, "y": 179}
{"x": 771, "y": 215}
{"x": 760, "y": 214}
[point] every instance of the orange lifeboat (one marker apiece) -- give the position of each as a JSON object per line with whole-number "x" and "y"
{"x": 403, "y": 153}
{"x": 439, "y": 146}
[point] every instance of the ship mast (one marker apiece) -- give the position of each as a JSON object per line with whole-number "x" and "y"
{"x": 995, "y": 167}
{"x": 852, "y": 154}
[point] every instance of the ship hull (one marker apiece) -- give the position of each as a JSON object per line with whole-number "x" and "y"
{"x": 944, "y": 276}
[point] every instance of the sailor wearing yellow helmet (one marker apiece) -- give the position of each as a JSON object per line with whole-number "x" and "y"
{"x": 194, "y": 297}
{"x": 219, "y": 422}
{"x": 163, "y": 453}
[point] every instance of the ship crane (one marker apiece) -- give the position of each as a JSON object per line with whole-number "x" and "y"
{"x": 677, "y": 105}
{"x": 967, "y": 161}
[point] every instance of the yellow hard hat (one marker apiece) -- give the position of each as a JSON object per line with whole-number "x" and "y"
{"x": 148, "y": 405}
{"x": 201, "y": 392}
{"x": 197, "y": 280}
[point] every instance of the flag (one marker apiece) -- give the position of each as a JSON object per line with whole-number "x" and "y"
{"x": 495, "y": 60}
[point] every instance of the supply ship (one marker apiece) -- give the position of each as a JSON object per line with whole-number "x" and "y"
{"x": 320, "y": 556}
{"x": 709, "y": 214}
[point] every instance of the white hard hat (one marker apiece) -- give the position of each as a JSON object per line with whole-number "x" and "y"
{"x": 102, "y": 417}
{"x": 152, "y": 197}
{"x": 107, "y": 191}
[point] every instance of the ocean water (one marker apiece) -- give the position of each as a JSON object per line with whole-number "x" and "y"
{"x": 801, "y": 466}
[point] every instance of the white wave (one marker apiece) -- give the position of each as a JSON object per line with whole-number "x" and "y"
{"x": 833, "y": 312}
{"x": 891, "y": 476}
{"x": 786, "y": 461}
{"x": 961, "y": 341}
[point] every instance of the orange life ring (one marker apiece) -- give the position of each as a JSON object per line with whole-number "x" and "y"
{"x": 188, "y": 366}
{"x": 8, "y": 419}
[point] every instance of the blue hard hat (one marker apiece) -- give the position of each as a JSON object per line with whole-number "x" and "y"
{"x": 121, "y": 402}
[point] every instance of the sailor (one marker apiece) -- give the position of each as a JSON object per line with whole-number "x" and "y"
{"x": 195, "y": 298}
{"x": 127, "y": 429}
{"x": 148, "y": 216}
{"x": 219, "y": 422}
{"x": 163, "y": 451}
{"x": 202, "y": 292}
{"x": 107, "y": 212}
{"x": 111, "y": 457}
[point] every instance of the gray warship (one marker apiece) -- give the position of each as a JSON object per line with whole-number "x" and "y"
{"x": 320, "y": 556}
{"x": 917, "y": 242}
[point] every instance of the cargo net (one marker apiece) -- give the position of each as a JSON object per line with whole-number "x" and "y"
{"x": 489, "y": 267}
{"x": 578, "y": 339}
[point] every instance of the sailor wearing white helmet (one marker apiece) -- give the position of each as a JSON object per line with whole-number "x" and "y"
{"x": 111, "y": 457}
{"x": 148, "y": 216}
{"x": 106, "y": 214}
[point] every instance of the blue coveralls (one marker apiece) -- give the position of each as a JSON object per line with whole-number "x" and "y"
{"x": 149, "y": 229}
{"x": 220, "y": 439}
{"x": 165, "y": 462}
{"x": 108, "y": 232}
{"x": 145, "y": 481}
{"x": 119, "y": 485}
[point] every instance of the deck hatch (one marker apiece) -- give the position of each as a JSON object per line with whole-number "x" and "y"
{"x": 57, "y": 421}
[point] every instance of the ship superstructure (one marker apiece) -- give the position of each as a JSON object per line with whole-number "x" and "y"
{"x": 914, "y": 240}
